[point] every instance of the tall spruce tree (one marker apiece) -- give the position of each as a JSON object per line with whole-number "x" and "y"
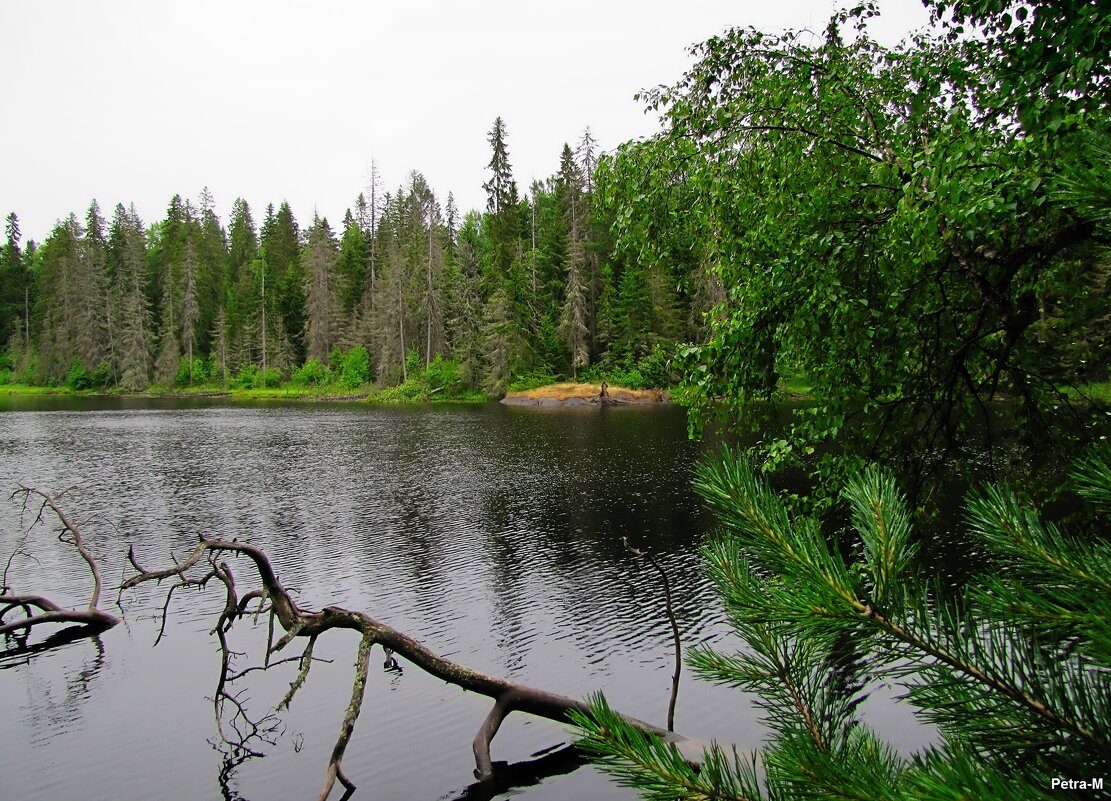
{"x": 14, "y": 286}
{"x": 135, "y": 336}
{"x": 321, "y": 302}
{"x": 574, "y": 327}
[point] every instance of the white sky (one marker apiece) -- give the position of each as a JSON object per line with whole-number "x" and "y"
{"x": 135, "y": 100}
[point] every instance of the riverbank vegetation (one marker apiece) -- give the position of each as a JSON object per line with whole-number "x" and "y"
{"x": 919, "y": 233}
{"x": 531, "y": 287}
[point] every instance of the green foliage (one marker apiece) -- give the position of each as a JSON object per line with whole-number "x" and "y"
{"x": 77, "y": 378}
{"x": 654, "y": 371}
{"x": 246, "y": 377}
{"x": 523, "y": 383}
{"x": 6, "y": 376}
{"x": 270, "y": 378}
{"x": 443, "y": 375}
{"x": 335, "y": 359}
{"x": 442, "y": 380}
{"x": 312, "y": 374}
{"x": 897, "y": 249}
{"x": 1049, "y": 57}
{"x": 1013, "y": 669}
{"x": 191, "y": 372}
{"x": 103, "y": 375}
{"x": 356, "y": 368}
{"x": 27, "y": 374}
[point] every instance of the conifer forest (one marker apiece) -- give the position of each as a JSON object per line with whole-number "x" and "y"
{"x": 529, "y": 287}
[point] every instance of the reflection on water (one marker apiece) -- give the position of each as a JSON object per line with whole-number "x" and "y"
{"x": 492, "y": 534}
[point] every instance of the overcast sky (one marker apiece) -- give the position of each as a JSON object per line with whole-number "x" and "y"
{"x": 133, "y": 101}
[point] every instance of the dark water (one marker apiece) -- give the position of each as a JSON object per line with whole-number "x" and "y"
{"x": 492, "y": 534}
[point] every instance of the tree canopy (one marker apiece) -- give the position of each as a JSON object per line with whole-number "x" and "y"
{"x": 880, "y": 226}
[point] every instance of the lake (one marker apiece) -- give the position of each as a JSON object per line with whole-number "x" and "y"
{"x": 492, "y": 534}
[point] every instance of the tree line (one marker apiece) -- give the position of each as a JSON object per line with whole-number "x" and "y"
{"x": 530, "y": 289}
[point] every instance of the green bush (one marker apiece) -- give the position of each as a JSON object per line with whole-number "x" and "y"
{"x": 655, "y": 368}
{"x": 335, "y": 359}
{"x": 443, "y": 375}
{"x": 440, "y": 380}
{"x": 270, "y": 378}
{"x": 246, "y": 378}
{"x": 77, "y": 378}
{"x": 356, "y": 368}
{"x": 413, "y": 363}
{"x": 527, "y": 381}
{"x": 312, "y": 374}
{"x": 190, "y": 373}
{"x": 102, "y": 376}
{"x": 6, "y": 375}
{"x": 410, "y": 391}
{"x": 26, "y": 374}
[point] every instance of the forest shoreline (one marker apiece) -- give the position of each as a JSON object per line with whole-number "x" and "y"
{"x": 581, "y": 394}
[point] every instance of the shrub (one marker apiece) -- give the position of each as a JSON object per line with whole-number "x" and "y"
{"x": 270, "y": 378}
{"x": 410, "y": 391}
{"x": 356, "y": 368}
{"x": 6, "y": 375}
{"x": 189, "y": 373}
{"x": 27, "y": 373}
{"x": 246, "y": 378}
{"x": 312, "y": 374}
{"x": 527, "y": 381}
{"x": 77, "y": 378}
{"x": 335, "y": 359}
{"x": 655, "y": 369}
{"x": 443, "y": 375}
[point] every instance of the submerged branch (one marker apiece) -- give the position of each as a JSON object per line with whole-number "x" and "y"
{"x": 93, "y": 618}
{"x": 508, "y": 696}
{"x": 674, "y": 629}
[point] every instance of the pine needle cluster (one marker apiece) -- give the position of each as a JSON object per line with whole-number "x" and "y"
{"x": 1014, "y": 670}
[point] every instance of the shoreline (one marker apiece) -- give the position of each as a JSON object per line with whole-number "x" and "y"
{"x": 585, "y": 394}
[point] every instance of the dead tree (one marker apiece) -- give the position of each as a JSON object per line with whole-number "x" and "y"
{"x": 508, "y": 696}
{"x": 38, "y": 610}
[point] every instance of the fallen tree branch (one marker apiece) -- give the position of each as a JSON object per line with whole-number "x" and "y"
{"x": 92, "y": 618}
{"x": 508, "y": 696}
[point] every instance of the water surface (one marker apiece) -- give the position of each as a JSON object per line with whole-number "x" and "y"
{"x": 491, "y": 534}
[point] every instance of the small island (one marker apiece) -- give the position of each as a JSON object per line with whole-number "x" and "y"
{"x": 585, "y": 394}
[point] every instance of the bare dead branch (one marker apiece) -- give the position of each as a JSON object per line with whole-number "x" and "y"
{"x": 75, "y": 534}
{"x": 93, "y": 618}
{"x": 302, "y": 674}
{"x": 674, "y": 629}
{"x": 508, "y": 696}
{"x": 358, "y": 689}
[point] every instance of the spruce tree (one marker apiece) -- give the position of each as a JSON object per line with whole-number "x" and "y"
{"x": 135, "y": 336}
{"x": 574, "y": 326}
{"x": 13, "y": 283}
{"x": 321, "y": 303}
{"x": 190, "y": 308}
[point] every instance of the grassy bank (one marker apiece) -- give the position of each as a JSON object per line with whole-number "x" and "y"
{"x": 567, "y": 390}
{"x": 414, "y": 393}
